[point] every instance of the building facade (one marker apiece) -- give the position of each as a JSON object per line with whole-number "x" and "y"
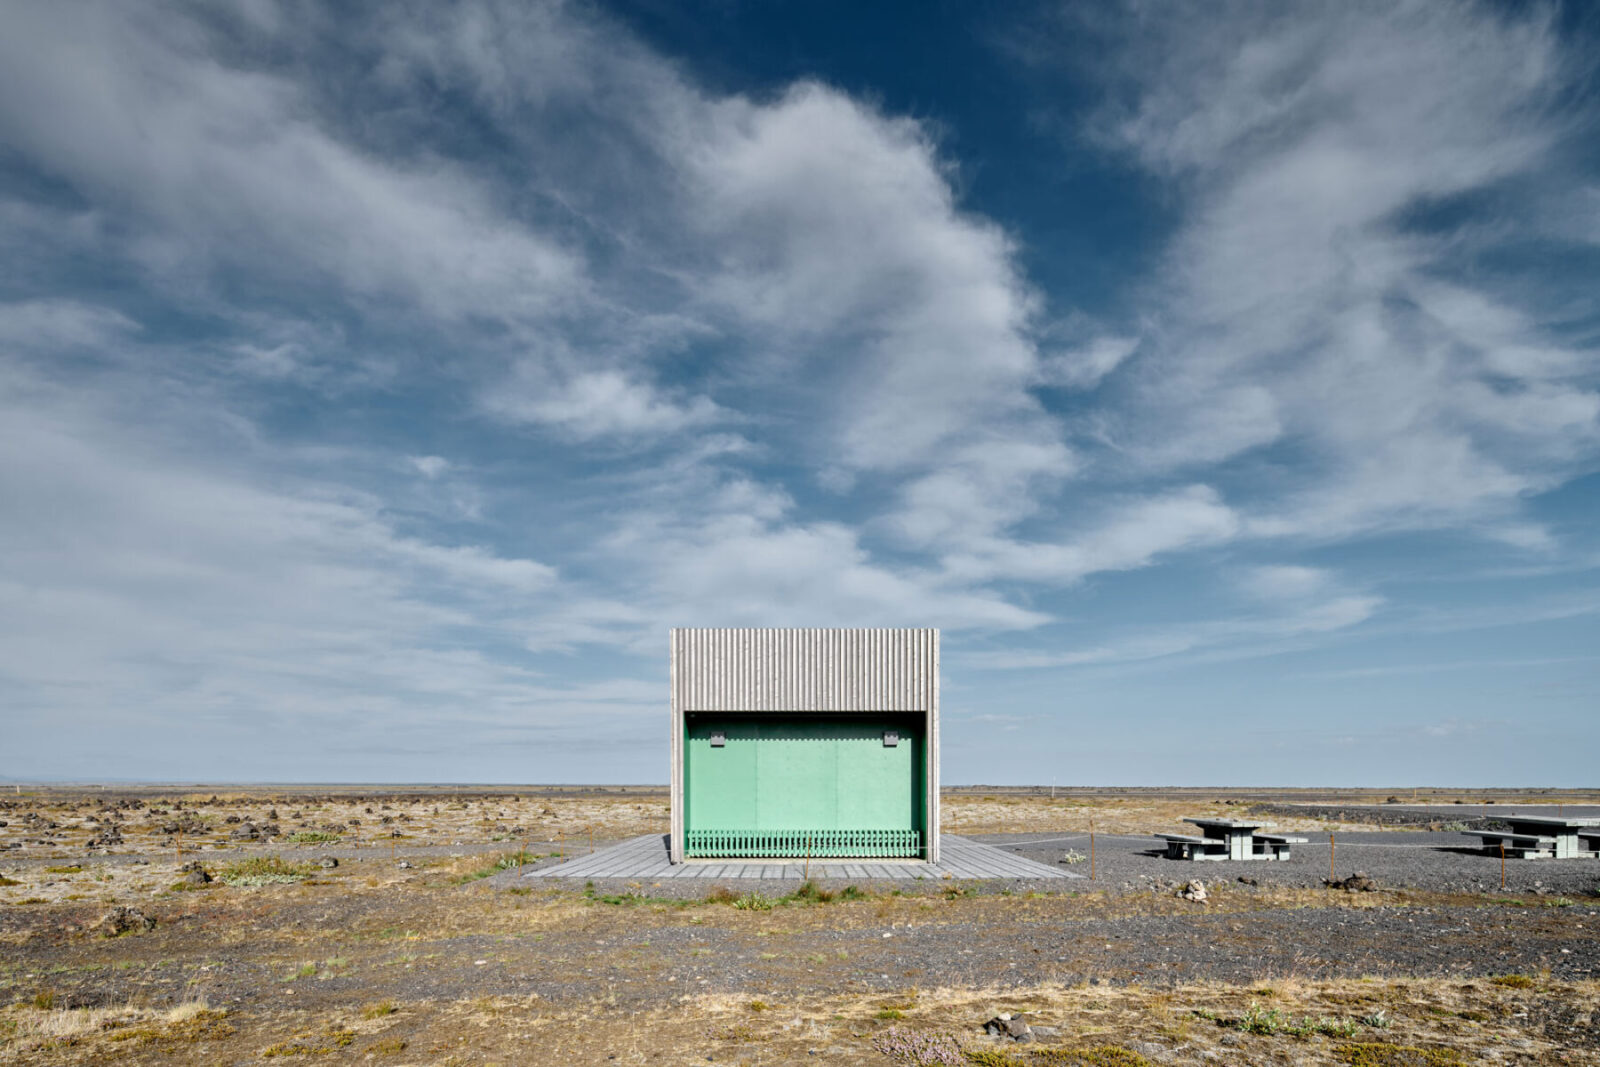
{"x": 796, "y": 742}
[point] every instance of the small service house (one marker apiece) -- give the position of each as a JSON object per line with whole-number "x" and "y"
{"x": 792, "y": 743}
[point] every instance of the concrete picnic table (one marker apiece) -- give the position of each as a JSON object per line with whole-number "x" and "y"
{"x": 1229, "y": 839}
{"x": 1544, "y": 837}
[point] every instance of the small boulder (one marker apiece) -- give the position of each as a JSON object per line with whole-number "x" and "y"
{"x": 1356, "y": 883}
{"x": 1011, "y": 1027}
{"x": 1194, "y": 890}
{"x": 194, "y": 874}
{"x": 122, "y": 919}
{"x": 328, "y": 863}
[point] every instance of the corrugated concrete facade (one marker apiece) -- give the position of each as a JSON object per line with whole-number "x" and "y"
{"x": 805, "y": 670}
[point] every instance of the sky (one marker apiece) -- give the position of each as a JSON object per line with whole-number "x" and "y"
{"x": 380, "y": 383}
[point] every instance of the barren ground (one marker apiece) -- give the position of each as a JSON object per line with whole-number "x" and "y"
{"x": 454, "y": 959}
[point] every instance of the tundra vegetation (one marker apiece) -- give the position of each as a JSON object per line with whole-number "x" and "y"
{"x": 395, "y": 929}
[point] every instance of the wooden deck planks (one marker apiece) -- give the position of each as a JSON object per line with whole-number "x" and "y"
{"x": 646, "y": 858}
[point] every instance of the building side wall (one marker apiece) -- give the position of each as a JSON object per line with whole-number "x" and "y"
{"x": 814, "y": 670}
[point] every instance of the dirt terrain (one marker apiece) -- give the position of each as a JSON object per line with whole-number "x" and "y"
{"x": 335, "y": 940}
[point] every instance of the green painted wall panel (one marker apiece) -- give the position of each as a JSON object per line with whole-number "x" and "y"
{"x": 803, "y": 772}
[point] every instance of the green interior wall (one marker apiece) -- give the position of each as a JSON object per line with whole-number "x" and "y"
{"x": 804, "y": 772}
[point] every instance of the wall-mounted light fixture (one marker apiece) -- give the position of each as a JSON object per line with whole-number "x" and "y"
{"x": 718, "y": 739}
{"x": 891, "y": 738}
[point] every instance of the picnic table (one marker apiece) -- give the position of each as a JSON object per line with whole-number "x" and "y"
{"x": 1229, "y": 839}
{"x": 1536, "y": 837}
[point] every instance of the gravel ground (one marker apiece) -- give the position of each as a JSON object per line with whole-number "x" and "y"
{"x": 1444, "y": 862}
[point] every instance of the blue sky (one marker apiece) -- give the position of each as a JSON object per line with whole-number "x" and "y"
{"x": 378, "y": 385}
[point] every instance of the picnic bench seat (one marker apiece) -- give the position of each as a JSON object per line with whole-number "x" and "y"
{"x": 1278, "y": 844}
{"x": 1525, "y": 846}
{"x": 1188, "y": 846}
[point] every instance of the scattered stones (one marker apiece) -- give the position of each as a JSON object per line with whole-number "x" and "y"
{"x": 1006, "y": 1025}
{"x": 194, "y": 874}
{"x": 245, "y": 832}
{"x": 1356, "y": 883}
{"x": 122, "y": 919}
{"x": 1194, "y": 890}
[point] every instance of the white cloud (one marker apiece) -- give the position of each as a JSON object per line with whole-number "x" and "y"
{"x": 210, "y": 163}
{"x": 600, "y": 404}
{"x": 1088, "y": 366}
{"x": 429, "y": 466}
{"x": 1301, "y": 309}
{"x": 1285, "y": 582}
{"x": 1234, "y": 638}
{"x": 1131, "y": 535}
{"x": 152, "y": 586}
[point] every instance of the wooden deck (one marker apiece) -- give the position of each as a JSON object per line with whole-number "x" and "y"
{"x": 645, "y": 858}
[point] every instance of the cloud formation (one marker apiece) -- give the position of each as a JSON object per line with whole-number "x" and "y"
{"x": 418, "y": 364}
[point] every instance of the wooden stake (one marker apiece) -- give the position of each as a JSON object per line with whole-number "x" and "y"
{"x": 1091, "y": 848}
{"x": 561, "y": 841}
{"x": 1332, "y": 848}
{"x": 180, "y": 846}
{"x": 1502, "y": 865}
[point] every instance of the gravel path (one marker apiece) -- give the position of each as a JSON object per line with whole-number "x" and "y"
{"x": 1445, "y": 862}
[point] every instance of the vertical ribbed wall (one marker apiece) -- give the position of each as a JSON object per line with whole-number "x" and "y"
{"x": 805, "y": 670}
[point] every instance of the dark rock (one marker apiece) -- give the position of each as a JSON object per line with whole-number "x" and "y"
{"x": 121, "y": 920}
{"x": 328, "y": 863}
{"x": 1356, "y": 883}
{"x": 1010, "y": 1026}
{"x": 1247, "y": 880}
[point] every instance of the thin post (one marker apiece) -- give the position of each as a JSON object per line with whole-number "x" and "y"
{"x": 1091, "y": 848}
{"x": 180, "y": 845}
{"x": 561, "y": 842}
{"x": 522, "y": 860}
{"x": 1332, "y": 848}
{"x": 808, "y": 857}
{"x": 591, "y": 840}
{"x": 1502, "y": 865}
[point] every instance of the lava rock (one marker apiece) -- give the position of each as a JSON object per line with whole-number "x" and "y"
{"x": 1014, "y": 1027}
{"x": 1356, "y": 883}
{"x": 122, "y": 919}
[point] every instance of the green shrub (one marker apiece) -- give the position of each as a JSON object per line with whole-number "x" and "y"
{"x": 265, "y": 870}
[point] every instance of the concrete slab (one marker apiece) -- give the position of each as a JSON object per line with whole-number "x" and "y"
{"x": 645, "y": 858}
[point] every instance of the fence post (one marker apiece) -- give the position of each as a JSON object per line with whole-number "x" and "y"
{"x": 1502, "y": 865}
{"x": 1332, "y": 848}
